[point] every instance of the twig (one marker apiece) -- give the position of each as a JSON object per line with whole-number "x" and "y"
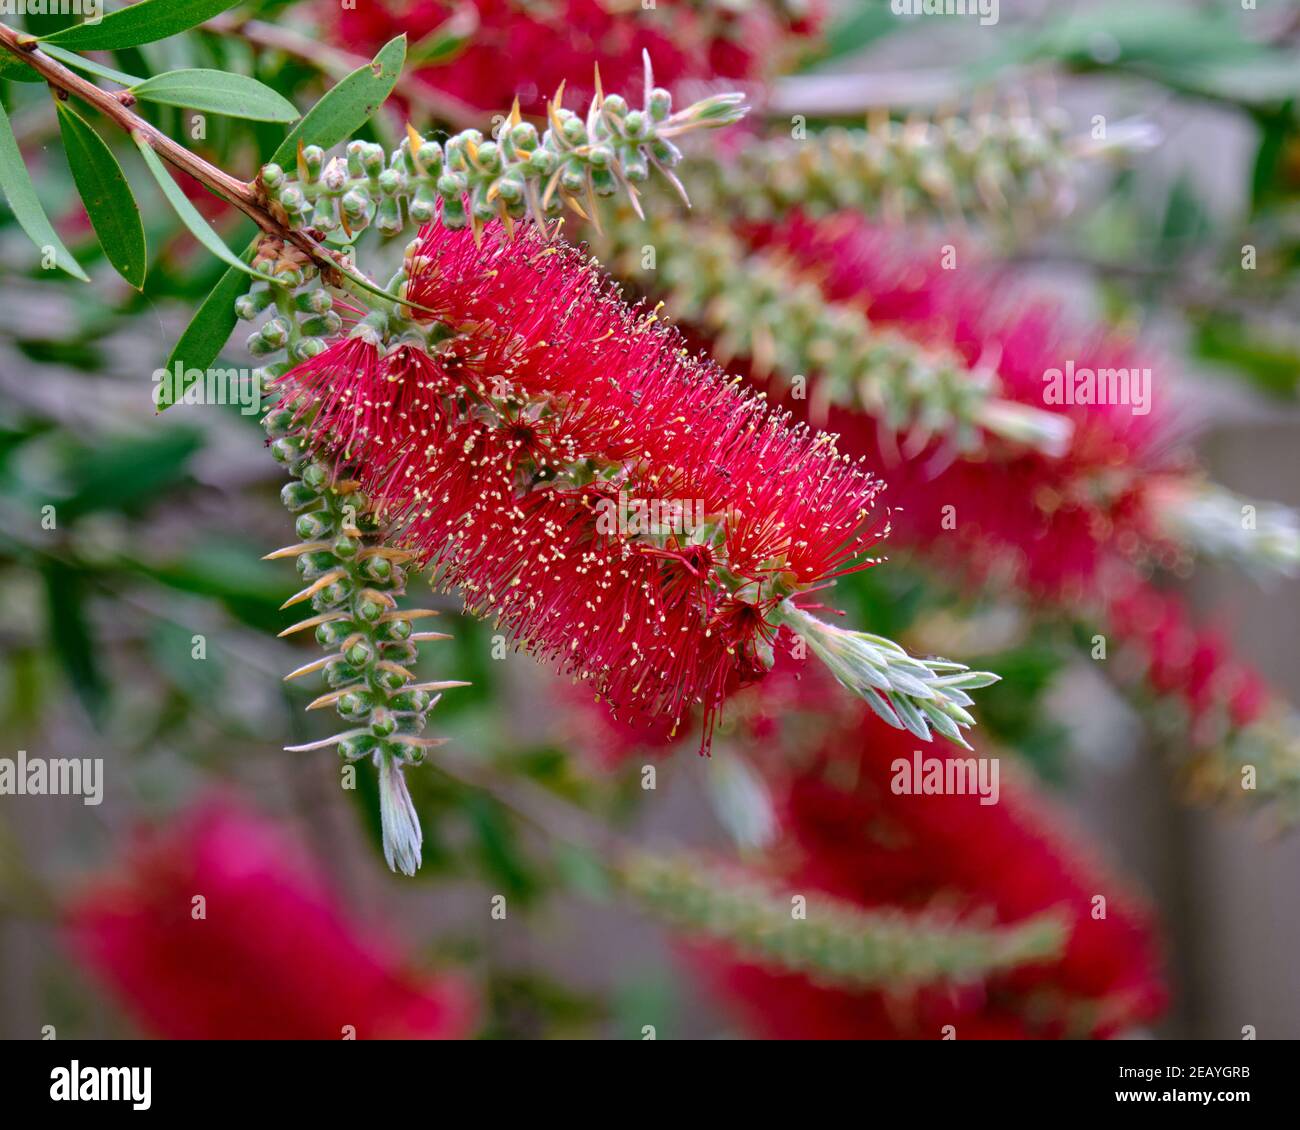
{"x": 244, "y": 195}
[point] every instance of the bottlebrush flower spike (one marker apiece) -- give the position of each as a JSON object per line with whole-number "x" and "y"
{"x": 919, "y": 391}
{"x": 847, "y": 833}
{"x": 839, "y": 943}
{"x": 691, "y": 42}
{"x": 275, "y": 957}
{"x": 622, "y": 507}
{"x": 355, "y": 581}
{"x": 1010, "y": 167}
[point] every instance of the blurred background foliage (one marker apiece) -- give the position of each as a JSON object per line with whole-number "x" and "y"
{"x": 161, "y": 523}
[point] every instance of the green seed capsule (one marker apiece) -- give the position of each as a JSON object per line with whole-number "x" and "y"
{"x": 345, "y": 547}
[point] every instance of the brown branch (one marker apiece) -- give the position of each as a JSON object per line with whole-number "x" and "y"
{"x": 244, "y": 195}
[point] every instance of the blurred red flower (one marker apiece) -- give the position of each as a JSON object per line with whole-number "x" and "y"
{"x": 846, "y": 833}
{"x": 269, "y": 956}
{"x": 527, "y": 51}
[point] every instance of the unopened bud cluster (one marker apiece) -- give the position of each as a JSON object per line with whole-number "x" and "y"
{"x": 989, "y": 166}
{"x": 710, "y": 279}
{"x": 352, "y": 581}
{"x": 471, "y": 179}
{"x": 832, "y": 941}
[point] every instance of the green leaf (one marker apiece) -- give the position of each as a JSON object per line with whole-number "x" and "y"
{"x": 208, "y": 331}
{"x": 16, "y": 70}
{"x": 21, "y": 194}
{"x": 73, "y": 646}
{"x": 47, "y": 23}
{"x": 127, "y": 473}
{"x": 219, "y": 92}
{"x": 112, "y": 209}
{"x": 200, "y": 227}
{"x": 343, "y": 110}
{"x": 77, "y": 63}
{"x": 445, "y": 41}
{"x": 347, "y": 105}
{"x": 146, "y": 22}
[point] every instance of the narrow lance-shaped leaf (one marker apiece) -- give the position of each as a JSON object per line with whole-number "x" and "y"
{"x": 200, "y": 227}
{"x": 347, "y": 105}
{"x": 21, "y": 194}
{"x": 208, "y": 331}
{"x": 89, "y": 66}
{"x": 16, "y": 70}
{"x": 218, "y": 92}
{"x": 344, "y": 109}
{"x": 112, "y": 209}
{"x": 146, "y": 22}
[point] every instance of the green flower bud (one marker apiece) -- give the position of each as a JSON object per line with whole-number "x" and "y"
{"x": 312, "y": 565}
{"x": 339, "y": 673}
{"x": 360, "y": 653}
{"x": 389, "y": 680}
{"x": 398, "y": 630}
{"x": 331, "y": 596}
{"x": 382, "y": 722}
{"x": 660, "y": 103}
{"x": 318, "y": 475}
{"x": 353, "y": 749}
{"x": 369, "y": 611}
{"x": 306, "y": 347}
{"x": 312, "y": 158}
{"x": 333, "y": 632}
{"x": 317, "y": 524}
{"x": 354, "y": 705}
{"x": 286, "y": 449}
{"x": 325, "y": 214}
{"x": 297, "y": 496}
{"x": 278, "y": 422}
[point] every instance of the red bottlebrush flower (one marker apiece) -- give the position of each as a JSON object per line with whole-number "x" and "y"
{"x": 1049, "y": 524}
{"x": 848, "y": 834}
{"x": 621, "y": 506}
{"x": 564, "y": 40}
{"x": 271, "y": 956}
{"x": 1188, "y": 663}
